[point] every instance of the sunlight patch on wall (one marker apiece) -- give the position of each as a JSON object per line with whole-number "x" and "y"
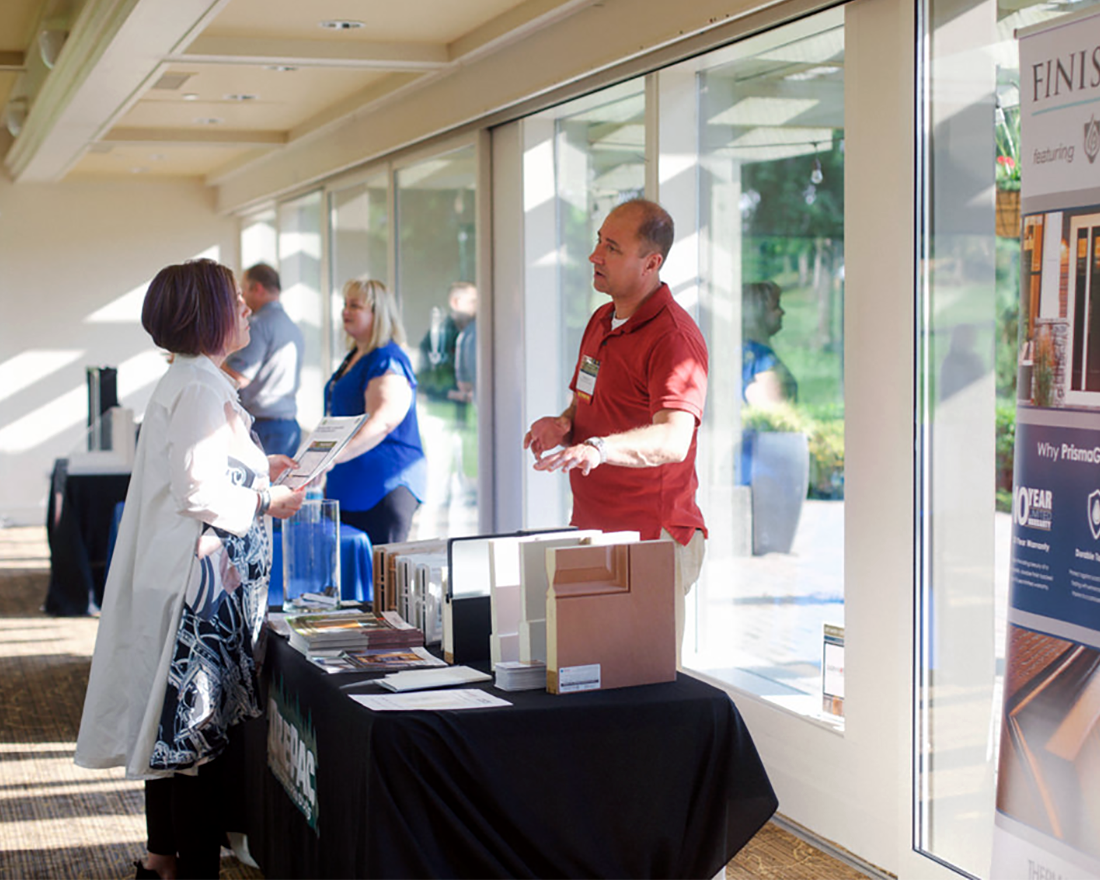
{"x": 126, "y": 309}
{"x": 64, "y": 412}
{"x": 29, "y": 367}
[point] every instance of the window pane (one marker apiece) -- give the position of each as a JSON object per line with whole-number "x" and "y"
{"x": 436, "y": 272}
{"x": 771, "y": 205}
{"x": 358, "y": 239}
{"x": 300, "y": 273}
{"x": 581, "y": 159}
{"x": 259, "y": 240}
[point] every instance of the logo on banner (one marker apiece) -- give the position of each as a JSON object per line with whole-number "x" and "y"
{"x": 1094, "y": 514}
{"x": 1092, "y": 139}
{"x": 292, "y": 752}
{"x": 1034, "y": 508}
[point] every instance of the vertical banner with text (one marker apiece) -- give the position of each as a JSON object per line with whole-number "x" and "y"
{"x": 1048, "y": 784}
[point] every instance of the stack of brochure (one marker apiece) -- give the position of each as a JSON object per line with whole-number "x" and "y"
{"x": 340, "y": 631}
{"x": 520, "y": 675}
{"x": 376, "y": 660}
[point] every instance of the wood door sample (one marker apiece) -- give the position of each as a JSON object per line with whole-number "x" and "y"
{"x": 610, "y": 616}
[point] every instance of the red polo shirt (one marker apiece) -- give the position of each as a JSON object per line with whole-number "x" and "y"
{"x": 656, "y": 360}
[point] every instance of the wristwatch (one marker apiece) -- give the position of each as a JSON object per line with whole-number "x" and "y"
{"x": 599, "y": 445}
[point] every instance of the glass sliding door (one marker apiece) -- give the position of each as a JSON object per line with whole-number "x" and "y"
{"x": 795, "y": 263}
{"x": 771, "y": 136}
{"x": 977, "y": 301}
{"x": 436, "y": 286}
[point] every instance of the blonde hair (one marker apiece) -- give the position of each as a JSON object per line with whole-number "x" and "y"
{"x": 387, "y": 326}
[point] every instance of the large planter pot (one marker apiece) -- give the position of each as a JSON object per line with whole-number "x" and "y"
{"x": 779, "y": 474}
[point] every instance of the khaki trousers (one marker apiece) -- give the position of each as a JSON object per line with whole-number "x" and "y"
{"x": 689, "y": 563}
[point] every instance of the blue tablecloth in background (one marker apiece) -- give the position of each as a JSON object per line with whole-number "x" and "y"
{"x": 356, "y": 566}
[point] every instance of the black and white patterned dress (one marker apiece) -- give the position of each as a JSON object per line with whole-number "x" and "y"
{"x": 213, "y": 677}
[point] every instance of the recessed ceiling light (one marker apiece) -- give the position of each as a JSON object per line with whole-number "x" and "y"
{"x": 281, "y": 68}
{"x": 209, "y": 120}
{"x": 137, "y": 169}
{"x": 241, "y": 97}
{"x": 341, "y": 24}
{"x": 189, "y": 96}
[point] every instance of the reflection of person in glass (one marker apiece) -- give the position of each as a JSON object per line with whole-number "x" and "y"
{"x": 380, "y": 477}
{"x": 175, "y": 662}
{"x": 466, "y": 344}
{"x": 438, "y": 347}
{"x": 765, "y": 379}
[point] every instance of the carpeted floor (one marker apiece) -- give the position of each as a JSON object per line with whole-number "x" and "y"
{"x": 58, "y": 820}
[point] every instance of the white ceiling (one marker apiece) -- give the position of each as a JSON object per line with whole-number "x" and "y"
{"x": 201, "y": 87}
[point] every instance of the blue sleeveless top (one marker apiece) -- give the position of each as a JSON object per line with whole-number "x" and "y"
{"x": 398, "y": 460}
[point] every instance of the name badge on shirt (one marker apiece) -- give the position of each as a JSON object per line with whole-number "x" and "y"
{"x": 586, "y": 377}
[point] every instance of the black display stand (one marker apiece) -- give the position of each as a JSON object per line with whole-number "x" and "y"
{"x": 78, "y": 528}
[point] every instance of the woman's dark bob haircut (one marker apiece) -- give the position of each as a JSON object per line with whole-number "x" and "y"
{"x": 191, "y": 308}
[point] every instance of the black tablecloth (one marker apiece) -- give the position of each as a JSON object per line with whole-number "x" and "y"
{"x": 78, "y": 528}
{"x": 654, "y": 781}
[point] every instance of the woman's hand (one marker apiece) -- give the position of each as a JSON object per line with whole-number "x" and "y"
{"x": 284, "y": 501}
{"x": 276, "y": 464}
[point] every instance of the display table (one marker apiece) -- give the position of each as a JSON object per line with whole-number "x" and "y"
{"x": 653, "y": 781}
{"x": 78, "y": 528}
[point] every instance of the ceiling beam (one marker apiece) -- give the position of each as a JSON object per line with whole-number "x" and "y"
{"x": 314, "y": 53}
{"x": 515, "y": 24}
{"x": 113, "y": 49}
{"x": 189, "y": 137}
{"x": 12, "y": 61}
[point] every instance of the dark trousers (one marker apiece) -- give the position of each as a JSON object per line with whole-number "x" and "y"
{"x": 183, "y": 817}
{"x": 388, "y": 521}
{"x": 278, "y": 436}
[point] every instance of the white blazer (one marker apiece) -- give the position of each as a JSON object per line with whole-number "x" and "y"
{"x": 193, "y": 425}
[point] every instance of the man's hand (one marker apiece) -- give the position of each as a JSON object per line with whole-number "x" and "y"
{"x": 547, "y": 433}
{"x": 580, "y": 456}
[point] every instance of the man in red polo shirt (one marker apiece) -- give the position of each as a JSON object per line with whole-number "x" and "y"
{"x": 629, "y": 433}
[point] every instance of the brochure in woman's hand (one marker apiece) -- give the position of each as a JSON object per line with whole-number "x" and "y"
{"x": 320, "y": 449}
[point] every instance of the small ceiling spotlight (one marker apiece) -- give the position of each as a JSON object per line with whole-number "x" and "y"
{"x": 15, "y": 115}
{"x": 281, "y": 68}
{"x": 189, "y": 96}
{"x": 209, "y": 120}
{"x": 50, "y": 41}
{"x": 341, "y": 25}
{"x": 241, "y": 97}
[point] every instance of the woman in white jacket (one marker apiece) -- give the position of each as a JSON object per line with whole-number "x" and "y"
{"x": 183, "y": 610}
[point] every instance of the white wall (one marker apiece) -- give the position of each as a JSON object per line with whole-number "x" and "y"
{"x": 75, "y": 259}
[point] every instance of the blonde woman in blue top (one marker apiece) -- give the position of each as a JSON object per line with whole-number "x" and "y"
{"x": 381, "y": 475}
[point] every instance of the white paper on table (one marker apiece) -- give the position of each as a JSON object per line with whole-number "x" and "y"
{"x": 327, "y": 439}
{"x": 434, "y": 701}
{"x": 422, "y": 679}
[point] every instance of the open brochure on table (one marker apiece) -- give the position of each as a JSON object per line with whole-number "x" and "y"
{"x": 323, "y": 445}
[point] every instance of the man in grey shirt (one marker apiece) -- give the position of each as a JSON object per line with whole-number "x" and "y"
{"x": 269, "y": 368}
